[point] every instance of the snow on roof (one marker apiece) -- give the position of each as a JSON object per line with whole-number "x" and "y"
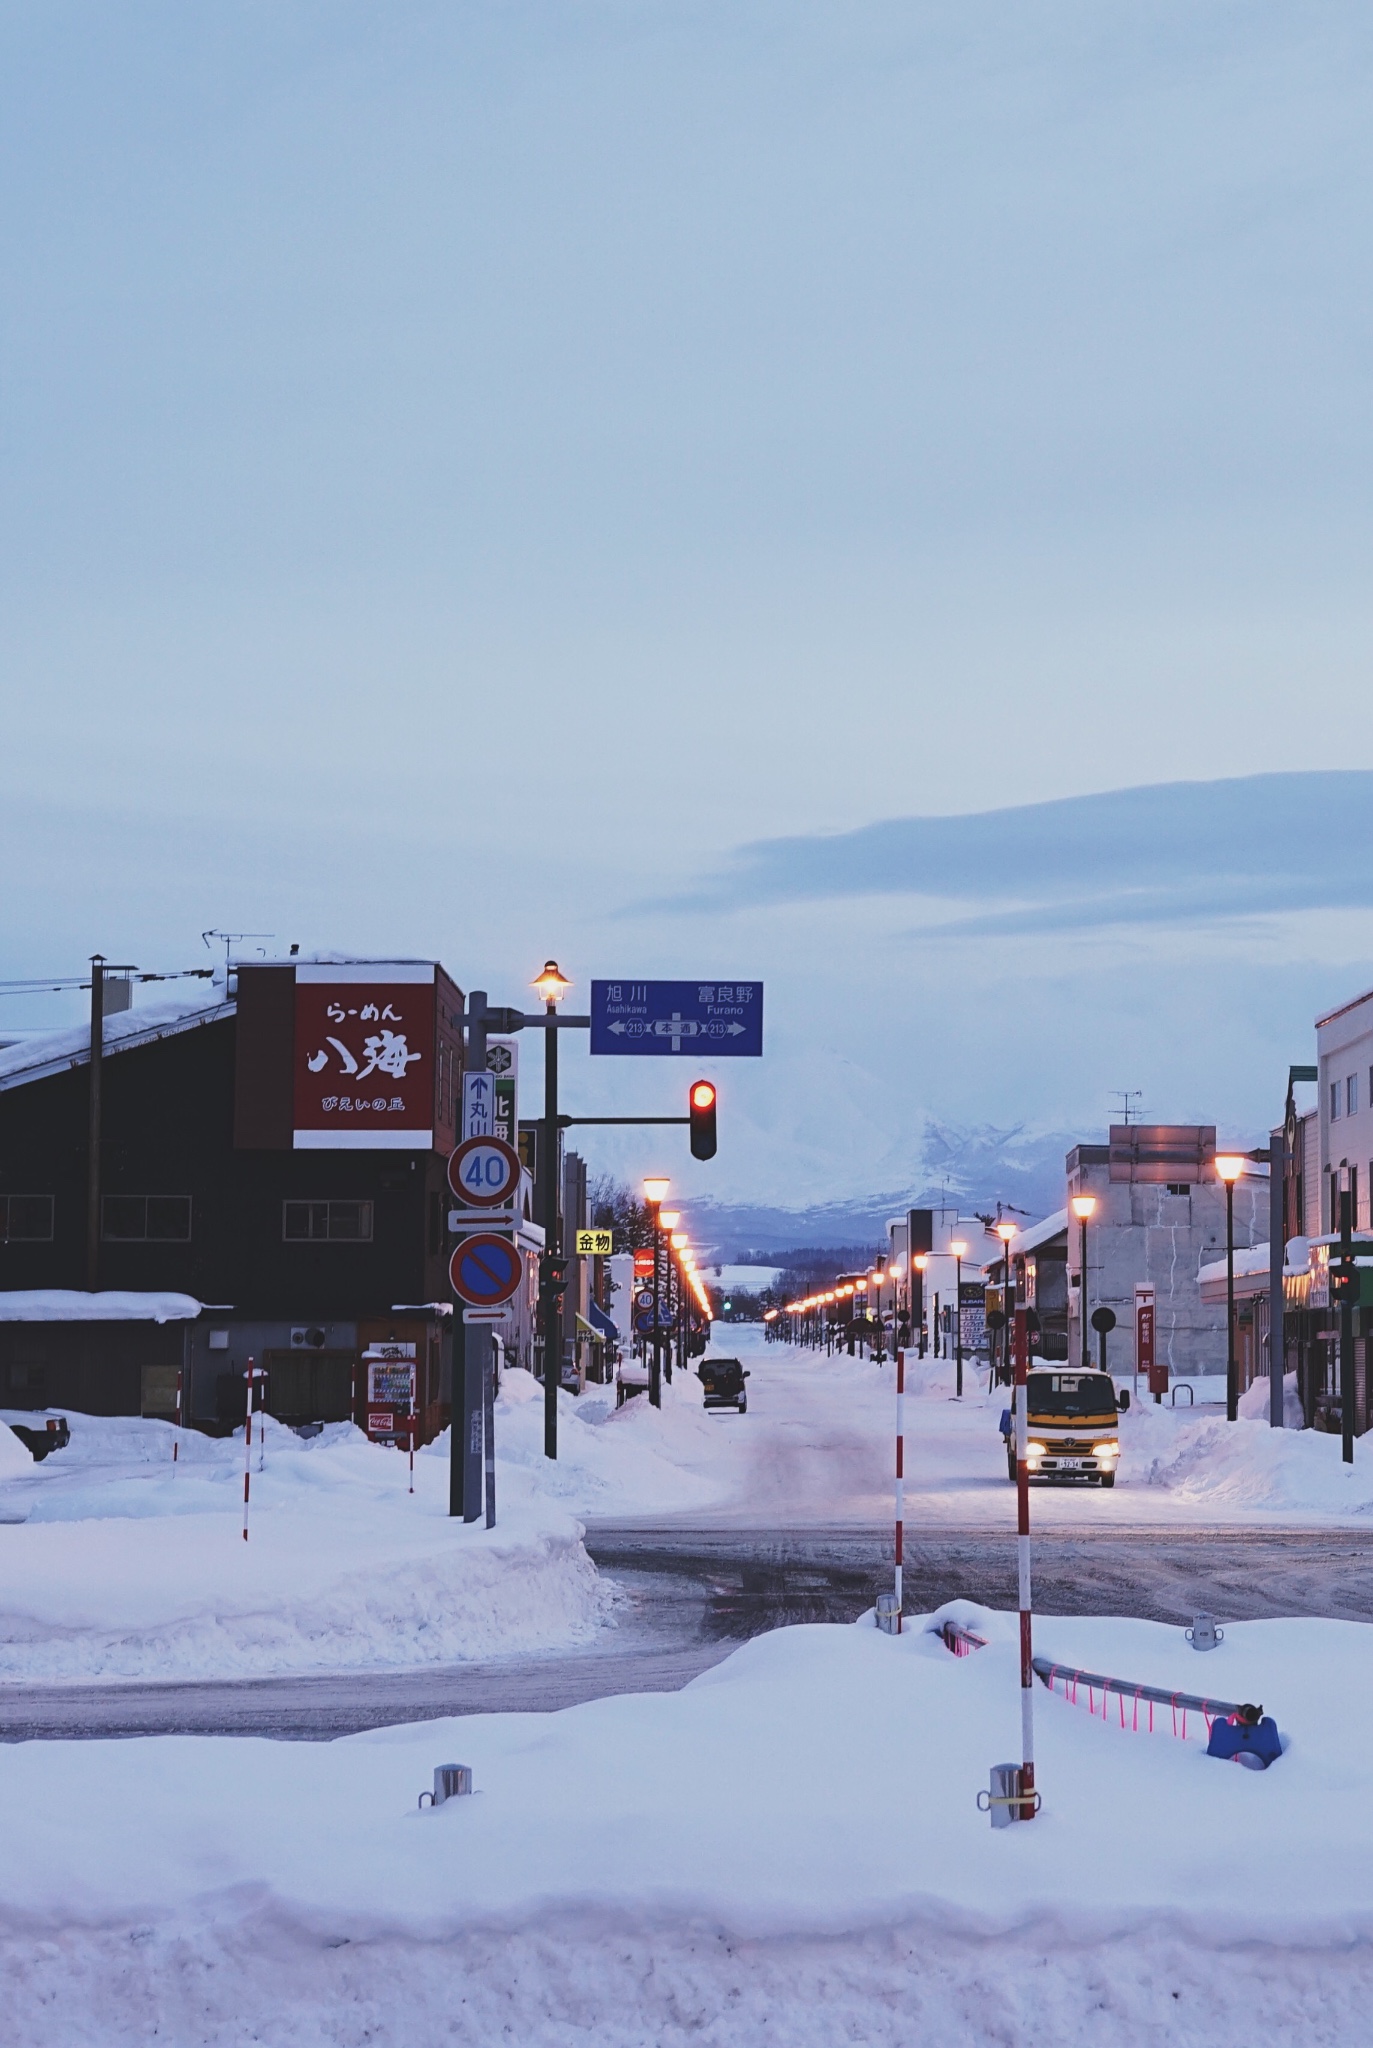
{"x": 114, "y": 1305}
{"x": 34, "y": 1059}
{"x": 1036, "y": 1234}
{"x": 1250, "y": 1258}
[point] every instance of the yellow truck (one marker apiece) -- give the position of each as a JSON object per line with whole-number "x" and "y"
{"x": 1072, "y": 1425}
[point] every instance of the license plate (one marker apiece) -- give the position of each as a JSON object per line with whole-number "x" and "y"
{"x": 1071, "y": 1464}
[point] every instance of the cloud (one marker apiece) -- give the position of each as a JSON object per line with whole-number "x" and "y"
{"x": 1166, "y": 853}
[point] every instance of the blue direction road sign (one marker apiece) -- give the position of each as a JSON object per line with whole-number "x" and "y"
{"x": 682, "y": 1019}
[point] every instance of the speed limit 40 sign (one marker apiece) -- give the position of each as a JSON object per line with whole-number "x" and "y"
{"x": 484, "y": 1172}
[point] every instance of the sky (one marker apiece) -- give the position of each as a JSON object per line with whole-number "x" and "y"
{"x": 625, "y": 480}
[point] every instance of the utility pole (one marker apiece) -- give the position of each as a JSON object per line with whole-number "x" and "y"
{"x": 93, "y": 1138}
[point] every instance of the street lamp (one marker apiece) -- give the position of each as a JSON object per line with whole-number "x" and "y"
{"x": 1006, "y": 1230}
{"x": 1229, "y": 1167}
{"x": 655, "y": 1192}
{"x": 959, "y": 1248}
{"x": 552, "y": 985}
{"x": 1082, "y": 1207}
{"x": 919, "y": 1264}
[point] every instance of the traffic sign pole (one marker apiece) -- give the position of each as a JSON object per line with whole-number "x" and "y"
{"x": 471, "y": 1346}
{"x": 550, "y": 1301}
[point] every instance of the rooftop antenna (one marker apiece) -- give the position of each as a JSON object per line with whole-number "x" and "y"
{"x": 233, "y": 939}
{"x": 1128, "y": 1096}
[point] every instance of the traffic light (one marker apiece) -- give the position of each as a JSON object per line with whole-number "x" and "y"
{"x": 1344, "y": 1282}
{"x": 701, "y": 1102}
{"x": 555, "y": 1276}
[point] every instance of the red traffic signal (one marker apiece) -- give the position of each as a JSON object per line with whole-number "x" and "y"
{"x": 701, "y": 1099}
{"x": 1344, "y": 1282}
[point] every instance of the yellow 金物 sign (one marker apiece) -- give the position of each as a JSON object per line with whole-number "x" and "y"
{"x": 595, "y": 1244}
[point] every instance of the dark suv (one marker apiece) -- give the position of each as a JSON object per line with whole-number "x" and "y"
{"x": 722, "y": 1380}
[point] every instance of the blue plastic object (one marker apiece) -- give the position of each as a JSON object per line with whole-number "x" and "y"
{"x": 1255, "y": 1743}
{"x": 1005, "y": 1422}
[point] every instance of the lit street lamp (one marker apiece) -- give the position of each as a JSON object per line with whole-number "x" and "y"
{"x": 920, "y": 1262}
{"x": 1229, "y": 1167}
{"x": 1006, "y": 1230}
{"x": 552, "y": 985}
{"x": 1083, "y": 1206}
{"x": 655, "y": 1193}
{"x": 958, "y": 1248}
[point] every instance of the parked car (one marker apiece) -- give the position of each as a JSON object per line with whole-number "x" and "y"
{"x": 722, "y": 1383}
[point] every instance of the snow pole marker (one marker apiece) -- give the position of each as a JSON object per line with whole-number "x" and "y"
{"x": 247, "y": 1448}
{"x": 1028, "y": 1809}
{"x": 176, "y": 1440}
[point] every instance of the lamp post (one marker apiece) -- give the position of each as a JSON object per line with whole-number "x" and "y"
{"x": 668, "y": 1219}
{"x": 1006, "y": 1231}
{"x": 1082, "y": 1207}
{"x": 919, "y": 1264}
{"x": 655, "y": 1192}
{"x": 552, "y": 986}
{"x": 1229, "y": 1167}
{"x": 958, "y": 1248}
{"x": 679, "y": 1244}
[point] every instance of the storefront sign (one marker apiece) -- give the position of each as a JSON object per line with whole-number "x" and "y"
{"x": 364, "y": 1057}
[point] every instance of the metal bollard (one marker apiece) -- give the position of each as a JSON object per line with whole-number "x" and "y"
{"x": 888, "y": 1614}
{"x": 1203, "y": 1634}
{"x": 1006, "y": 1801}
{"x": 451, "y": 1781}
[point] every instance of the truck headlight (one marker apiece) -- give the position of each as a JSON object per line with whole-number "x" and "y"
{"x": 1107, "y": 1450}
{"x": 1034, "y": 1451}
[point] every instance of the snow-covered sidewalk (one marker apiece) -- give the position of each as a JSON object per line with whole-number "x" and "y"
{"x": 641, "y": 1869}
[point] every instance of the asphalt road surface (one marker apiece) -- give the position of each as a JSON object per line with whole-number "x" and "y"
{"x": 690, "y": 1595}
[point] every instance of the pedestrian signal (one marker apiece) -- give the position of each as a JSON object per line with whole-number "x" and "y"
{"x": 701, "y": 1102}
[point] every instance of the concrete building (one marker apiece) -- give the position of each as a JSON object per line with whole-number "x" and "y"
{"x": 1344, "y": 1058}
{"x": 1159, "y": 1217}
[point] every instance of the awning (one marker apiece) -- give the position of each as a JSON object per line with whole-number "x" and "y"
{"x": 603, "y": 1325}
{"x": 586, "y": 1329}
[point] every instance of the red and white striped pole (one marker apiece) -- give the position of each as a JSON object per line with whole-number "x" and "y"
{"x": 247, "y": 1450}
{"x": 1025, "y": 1811}
{"x": 176, "y": 1440}
{"x": 900, "y": 1474}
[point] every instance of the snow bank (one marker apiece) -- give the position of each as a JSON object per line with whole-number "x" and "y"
{"x": 1253, "y": 1403}
{"x": 131, "y": 1567}
{"x": 789, "y": 1843}
{"x": 1210, "y": 1466}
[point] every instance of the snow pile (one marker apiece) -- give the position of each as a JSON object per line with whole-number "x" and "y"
{"x": 131, "y": 1567}
{"x": 1253, "y": 1403}
{"x": 787, "y": 1850}
{"x": 1210, "y": 1466}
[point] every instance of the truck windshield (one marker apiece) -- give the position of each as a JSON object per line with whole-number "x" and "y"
{"x": 1070, "y": 1393}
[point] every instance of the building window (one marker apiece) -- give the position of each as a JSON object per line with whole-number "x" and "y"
{"x": 151, "y": 1219}
{"x": 1334, "y": 1100}
{"x": 1179, "y": 1187}
{"x": 25, "y": 1219}
{"x": 320, "y": 1222}
{"x": 1351, "y": 1095}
